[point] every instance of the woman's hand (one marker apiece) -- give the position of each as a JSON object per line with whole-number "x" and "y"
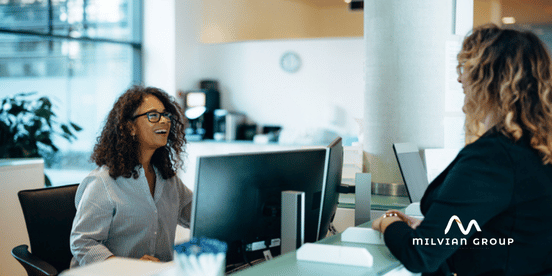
{"x": 149, "y": 258}
{"x": 412, "y": 222}
{"x": 381, "y": 223}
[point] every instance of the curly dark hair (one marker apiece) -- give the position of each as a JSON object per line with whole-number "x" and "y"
{"x": 119, "y": 150}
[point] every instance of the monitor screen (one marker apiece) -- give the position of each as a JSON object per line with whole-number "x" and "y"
{"x": 237, "y": 198}
{"x": 412, "y": 170}
{"x": 332, "y": 181}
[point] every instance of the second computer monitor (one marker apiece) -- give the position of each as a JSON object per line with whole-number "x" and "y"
{"x": 332, "y": 181}
{"x": 412, "y": 170}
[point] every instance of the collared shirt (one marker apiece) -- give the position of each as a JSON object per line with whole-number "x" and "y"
{"x": 120, "y": 217}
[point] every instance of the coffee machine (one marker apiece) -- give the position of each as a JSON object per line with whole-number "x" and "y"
{"x": 199, "y": 107}
{"x": 227, "y": 124}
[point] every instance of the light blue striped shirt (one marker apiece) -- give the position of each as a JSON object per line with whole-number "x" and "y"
{"x": 120, "y": 217}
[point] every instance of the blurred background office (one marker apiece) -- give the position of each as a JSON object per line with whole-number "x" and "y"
{"x": 300, "y": 65}
{"x": 88, "y": 52}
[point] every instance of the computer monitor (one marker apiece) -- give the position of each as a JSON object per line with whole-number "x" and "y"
{"x": 237, "y": 198}
{"x": 332, "y": 182}
{"x": 412, "y": 170}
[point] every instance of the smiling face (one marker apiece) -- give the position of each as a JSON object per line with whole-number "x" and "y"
{"x": 151, "y": 135}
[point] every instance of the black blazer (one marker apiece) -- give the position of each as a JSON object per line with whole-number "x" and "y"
{"x": 504, "y": 187}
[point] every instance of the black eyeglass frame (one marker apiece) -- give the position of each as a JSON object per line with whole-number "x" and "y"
{"x": 151, "y": 114}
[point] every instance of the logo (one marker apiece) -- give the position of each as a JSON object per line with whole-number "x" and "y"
{"x": 456, "y": 219}
{"x": 454, "y": 241}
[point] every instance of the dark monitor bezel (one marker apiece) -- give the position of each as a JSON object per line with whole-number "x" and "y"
{"x": 332, "y": 181}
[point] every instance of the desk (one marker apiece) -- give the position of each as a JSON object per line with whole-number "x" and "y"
{"x": 118, "y": 266}
{"x": 384, "y": 263}
{"x": 287, "y": 264}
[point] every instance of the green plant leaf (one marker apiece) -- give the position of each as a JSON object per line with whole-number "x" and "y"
{"x": 68, "y": 134}
{"x": 44, "y": 137}
{"x": 4, "y": 101}
{"x": 37, "y": 125}
{"x": 46, "y": 141}
{"x": 65, "y": 129}
{"x": 45, "y": 103}
{"x": 6, "y": 138}
{"x": 76, "y": 127}
{"x": 27, "y": 127}
{"x": 25, "y": 94}
{"x": 44, "y": 113}
{"x": 16, "y": 109}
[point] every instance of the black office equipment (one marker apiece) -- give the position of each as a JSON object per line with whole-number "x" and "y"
{"x": 199, "y": 107}
{"x": 237, "y": 198}
{"x": 412, "y": 170}
{"x": 49, "y": 214}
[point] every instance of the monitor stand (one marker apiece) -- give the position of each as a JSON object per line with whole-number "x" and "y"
{"x": 293, "y": 221}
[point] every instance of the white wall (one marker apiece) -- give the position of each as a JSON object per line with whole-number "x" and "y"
{"x": 327, "y": 91}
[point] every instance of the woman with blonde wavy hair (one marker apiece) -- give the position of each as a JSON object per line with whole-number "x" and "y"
{"x": 490, "y": 211}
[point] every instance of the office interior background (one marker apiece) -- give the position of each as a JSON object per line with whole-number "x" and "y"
{"x": 89, "y": 52}
{"x": 82, "y": 54}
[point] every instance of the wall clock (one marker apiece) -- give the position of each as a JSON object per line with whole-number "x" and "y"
{"x": 290, "y": 62}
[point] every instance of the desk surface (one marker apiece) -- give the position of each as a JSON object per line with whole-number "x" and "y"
{"x": 118, "y": 266}
{"x": 287, "y": 264}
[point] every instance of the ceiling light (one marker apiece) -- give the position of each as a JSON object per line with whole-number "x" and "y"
{"x": 347, "y": 1}
{"x": 508, "y": 20}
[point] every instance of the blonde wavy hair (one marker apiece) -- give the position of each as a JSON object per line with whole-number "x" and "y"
{"x": 508, "y": 76}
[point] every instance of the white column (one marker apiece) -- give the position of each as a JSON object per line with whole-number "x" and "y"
{"x": 159, "y": 44}
{"x": 171, "y": 44}
{"x": 406, "y": 64}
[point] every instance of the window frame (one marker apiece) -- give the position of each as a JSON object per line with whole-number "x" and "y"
{"x": 137, "y": 60}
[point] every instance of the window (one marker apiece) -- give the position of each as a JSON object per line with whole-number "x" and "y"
{"x": 82, "y": 54}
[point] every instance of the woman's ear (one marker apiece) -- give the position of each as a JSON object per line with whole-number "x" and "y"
{"x": 131, "y": 127}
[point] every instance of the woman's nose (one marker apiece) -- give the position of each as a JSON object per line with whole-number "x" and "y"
{"x": 164, "y": 120}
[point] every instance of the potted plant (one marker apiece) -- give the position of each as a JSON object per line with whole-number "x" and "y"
{"x": 28, "y": 126}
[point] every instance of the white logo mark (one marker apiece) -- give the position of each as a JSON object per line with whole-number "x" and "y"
{"x": 464, "y": 231}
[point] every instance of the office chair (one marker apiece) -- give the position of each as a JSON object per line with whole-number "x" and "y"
{"x": 49, "y": 214}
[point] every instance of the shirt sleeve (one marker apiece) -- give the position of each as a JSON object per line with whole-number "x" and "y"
{"x": 478, "y": 187}
{"x": 185, "y": 209}
{"x": 92, "y": 221}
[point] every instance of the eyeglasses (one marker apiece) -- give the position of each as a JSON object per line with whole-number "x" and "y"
{"x": 154, "y": 116}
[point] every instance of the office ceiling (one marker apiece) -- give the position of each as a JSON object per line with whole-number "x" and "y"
{"x": 525, "y": 11}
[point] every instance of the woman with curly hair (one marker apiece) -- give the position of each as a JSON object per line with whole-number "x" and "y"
{"x": 130, "y": 205}
{"x": 490, "y": 211}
